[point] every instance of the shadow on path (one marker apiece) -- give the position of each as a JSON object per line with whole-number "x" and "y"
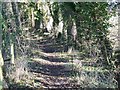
{"x": 52, "y": 70}
{"x": 54, "y": 59}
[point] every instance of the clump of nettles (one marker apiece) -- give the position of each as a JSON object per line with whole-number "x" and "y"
{"x": 96, "y": 78}
{"x": 19, "y": 73}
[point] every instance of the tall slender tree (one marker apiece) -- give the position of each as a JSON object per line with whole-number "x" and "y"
{"x": 10, "y": 28}
{"x": 1, "y": 58}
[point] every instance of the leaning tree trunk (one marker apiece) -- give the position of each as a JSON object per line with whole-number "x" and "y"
{"x": 72, "y": 33}
{"x": 1, "y": 58}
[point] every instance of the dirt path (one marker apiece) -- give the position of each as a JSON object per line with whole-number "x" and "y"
{"x": 52, "y": 74}
{"x": 50, "y": 71}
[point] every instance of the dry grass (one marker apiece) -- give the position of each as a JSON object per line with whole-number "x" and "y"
{"x": 19, "y": 73}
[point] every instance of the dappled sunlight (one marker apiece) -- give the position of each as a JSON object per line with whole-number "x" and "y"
{"x": 55, "y": 45}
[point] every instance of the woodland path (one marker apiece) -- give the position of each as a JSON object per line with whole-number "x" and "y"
{"x": 49, "y": 70}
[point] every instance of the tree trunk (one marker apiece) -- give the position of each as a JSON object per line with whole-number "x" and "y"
{"x": 118, "y": 26}
{"x": 32, "y": 17}
{"x": 17, "y": 14}
{"x": 12, "y": 28}
{"x": 18, "y": 26}
{"x": 1, "y": 58}
{"x": 12, "y": 53}
{"x": 118, "y": 53}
